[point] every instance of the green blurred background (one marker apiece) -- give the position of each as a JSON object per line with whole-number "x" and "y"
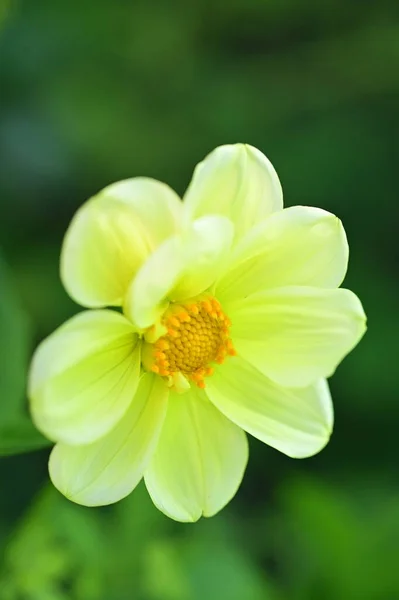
{"x": 96, "y": 91}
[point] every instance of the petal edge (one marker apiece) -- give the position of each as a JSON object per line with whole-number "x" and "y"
{"x": 297, "y": 422}
{"x": 199, "y": 462}
{"x": 109, "y": 469}
{"x": 236, "y": 181}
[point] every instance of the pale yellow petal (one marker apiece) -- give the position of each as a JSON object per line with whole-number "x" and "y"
{"x": 112, "y": 234}
{"x": 298, "y": 422}
{"x": 110, "y": 468}
{"x": 236, "y": 181}
{"x": 296, "y": 335}
{"x": 199, "y": 461}
{"x": 182, "y": 267}
{"x": 297, "y": 246}
{"x": 83, "y": 377}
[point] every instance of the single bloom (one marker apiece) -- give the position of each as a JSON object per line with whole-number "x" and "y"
{"x": 224, "y": 317}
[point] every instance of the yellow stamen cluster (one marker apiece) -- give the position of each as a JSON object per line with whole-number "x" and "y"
{"x": 197, "y": 335}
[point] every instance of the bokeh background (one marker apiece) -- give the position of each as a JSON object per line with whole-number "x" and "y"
{"x": 96, "y": 91}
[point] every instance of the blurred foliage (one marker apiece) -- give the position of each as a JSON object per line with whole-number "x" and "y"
{"x": 327, "y": 548}
{"x": 17, "y": 434}
{"x": 97, "y": 91}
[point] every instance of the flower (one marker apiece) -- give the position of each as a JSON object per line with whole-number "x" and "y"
{"x": 229, "y": 319}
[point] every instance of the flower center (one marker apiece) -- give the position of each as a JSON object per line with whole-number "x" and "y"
{"x": 197, "y": 335}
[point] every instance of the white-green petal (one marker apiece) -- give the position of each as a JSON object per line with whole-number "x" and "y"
{"x": 300, "y": 245}
{"x": 199, "y": 461}
{"x": 112, "y": 234}
{"x": 297, "y": 422}
{"x": 182, "y": 267}
{"x": 236, "y": 181}
{"x": 110, "y": 468}
{"x": 84, "y": 376}
{"x": 295, "y": 335}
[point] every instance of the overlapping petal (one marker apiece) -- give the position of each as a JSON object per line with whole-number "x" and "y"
{"x": 112, "y": 234}
{"x": 199, "y": 461}
{"x": 300, "y": 245}
{"x": 84, "y": 376}
{"x": 110, "y": 468}
{"x": 236, "y": 181}
{"x": 295, "y": 335}
{"x": 298, "y": 422}
{"x": 182, "y": 267}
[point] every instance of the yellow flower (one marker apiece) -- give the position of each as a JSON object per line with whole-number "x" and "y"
{"x": 231, "y": 319}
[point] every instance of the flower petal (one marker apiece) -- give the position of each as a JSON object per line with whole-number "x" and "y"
{"x": 298, "y": 246}
{"x": 112, "y": 234}
{"x": 296, "y": 335}
{"x": 236, "y": 181}
{"x": 182, "y": 267}
{"x": 83, "y": 377}
{"x": 110, "y": 468}
{"x": 199, "y": 461}
{"x": 298, "y": 422}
